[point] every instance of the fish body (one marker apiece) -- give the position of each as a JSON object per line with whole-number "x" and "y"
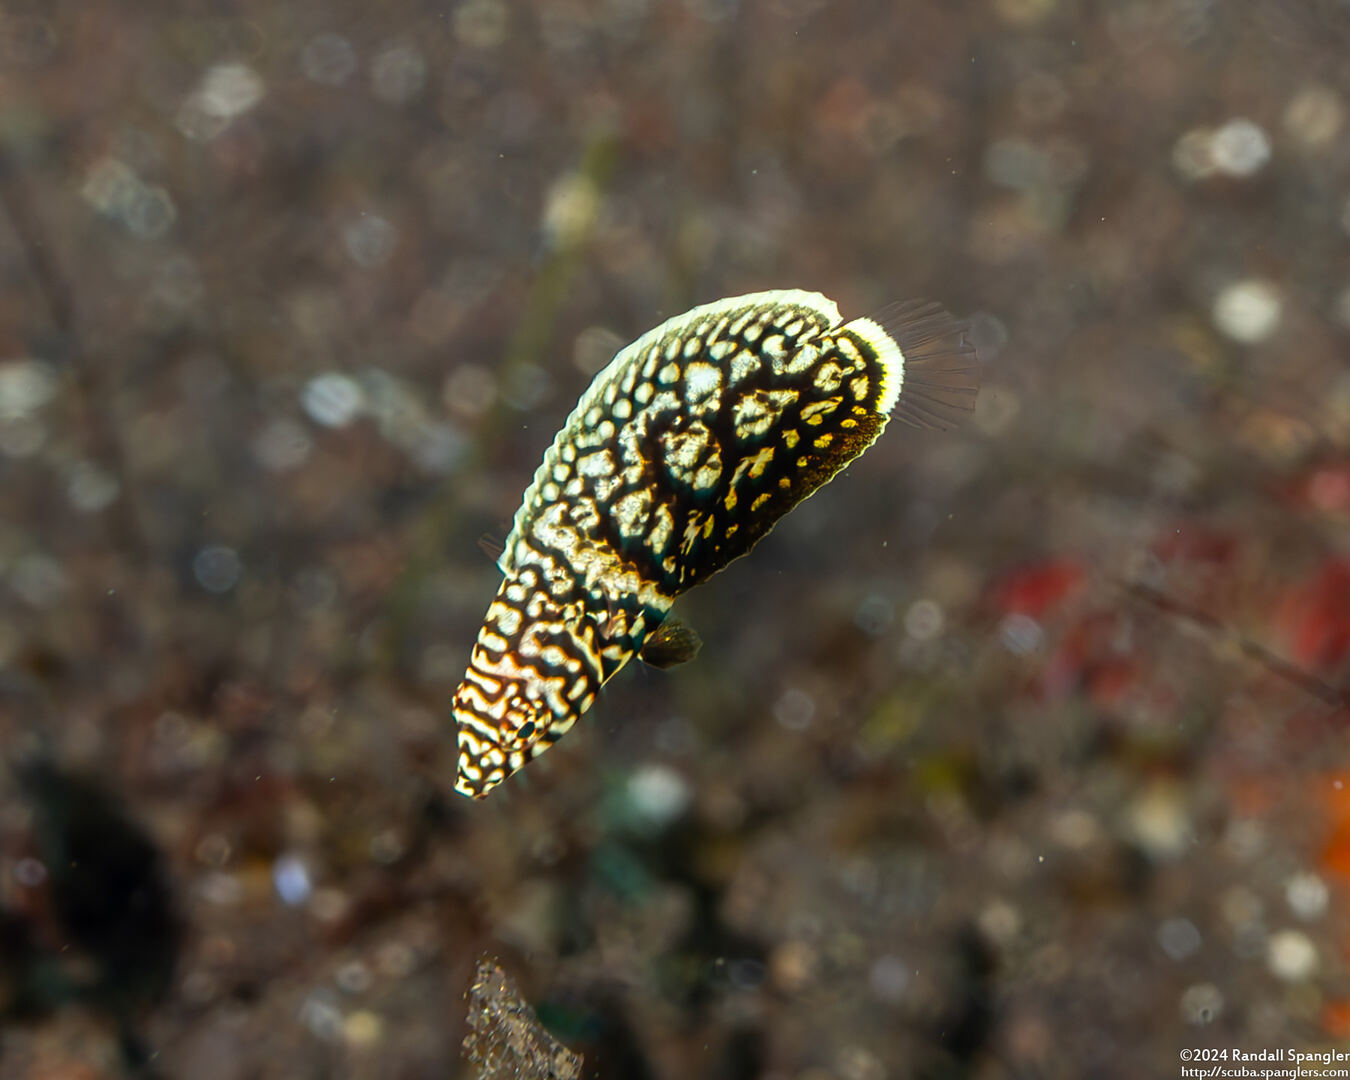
{"x": 682, "y": 454}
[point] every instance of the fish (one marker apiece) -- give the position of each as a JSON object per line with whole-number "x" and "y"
{"x": 684, "y": 452}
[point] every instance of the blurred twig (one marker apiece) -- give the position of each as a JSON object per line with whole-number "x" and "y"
{"x": 575, "y": 210}
{"x": 91, "y": 389}
{"x": 1291, "y": 673}
{"x": 533, "y": 334}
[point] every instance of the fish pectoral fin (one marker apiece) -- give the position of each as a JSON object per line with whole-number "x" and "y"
{"x": 672, "y": 644}
{"x": 493, "y": 544}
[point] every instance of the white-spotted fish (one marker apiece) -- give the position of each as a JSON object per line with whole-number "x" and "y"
{"x": 679, "y": 458}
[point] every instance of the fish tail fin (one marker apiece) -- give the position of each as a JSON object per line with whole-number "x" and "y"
{"x": 932, "y": 373}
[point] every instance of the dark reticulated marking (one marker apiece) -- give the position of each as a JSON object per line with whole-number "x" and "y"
{"x": 682, "y": 454}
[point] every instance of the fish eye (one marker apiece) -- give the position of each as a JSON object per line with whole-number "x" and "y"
{"x": 526, "y": 729}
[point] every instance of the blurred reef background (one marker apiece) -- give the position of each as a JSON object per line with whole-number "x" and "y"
{"x": 1017, "y": 751}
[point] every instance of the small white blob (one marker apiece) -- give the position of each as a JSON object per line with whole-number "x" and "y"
{"x": 282, "y": 445}
{"x": 1245, "y": 839}
{"x": 1015, "y": 163}
{"x": 469, "y": 390}
{"x": 333, "y": 399}
{"x": 397, "y": 74}
{"x": 38, "y": 579}
{"x": 889, "y": 979}
{"x": 1076, "y": 829}
{"x": 1201, "y": 1004}
{"x": 329, "y": 59}
{"x": 225, "y": 92}
{"x": 924, "y": 620}
{"x": 1248, "y": 311}
{"x": 1291, "y": 955}
{"x": 570, "y": 210}
{"x": 1307, "y": 895}
{"x": 354, "y": 977}
{"x": 321, "y": 1016}
{"x": 1314, "y": 116}
{"x": 25, "y": 386}
{"x": 1020, "y": 633}
{"x": 1240, "y": 906}
{"x": 108, "y": 184}
{"x": 874, "y": 615}
{"x": 794, "y": 709}
{"x": 480, "y": 24}
{"x": 1240, "y": 148}
{"x": 658, "y": 794}
{"x": 526, "y": 386}
{"x": 1000, "y": 922}
{"x": 369, "y": 240}
{"x": 90, "y": 488}
{"x": 1191, "y": 154}
{"x": 21, "y": 438}
{"x": 290, "y": 878}
{"x": 221, "y": 888}
{"x": 230, "y": 90}
{"x": 1179, "y": 938}
{"x": 151, "y": 213}
{"x": 114, "y": 190}
{"x": 435, "y": 447}
{"x": 1159, "y": 823}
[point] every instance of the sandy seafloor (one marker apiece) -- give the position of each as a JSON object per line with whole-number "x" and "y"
{"x": 1018, "y": 751}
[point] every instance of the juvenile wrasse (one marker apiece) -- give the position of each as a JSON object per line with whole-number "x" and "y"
{"x": 680, "y": 456}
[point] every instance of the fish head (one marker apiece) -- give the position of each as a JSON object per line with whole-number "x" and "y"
{"x": 493, "y": 745}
